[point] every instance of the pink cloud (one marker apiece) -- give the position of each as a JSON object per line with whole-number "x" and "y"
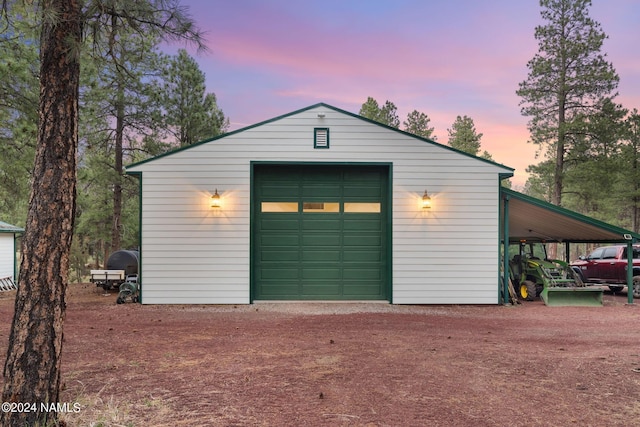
{"x": 424, "y": 56}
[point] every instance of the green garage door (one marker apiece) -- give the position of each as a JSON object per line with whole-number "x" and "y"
{"x": 320, "y": 232}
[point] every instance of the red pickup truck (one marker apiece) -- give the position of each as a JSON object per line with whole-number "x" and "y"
{"x": 608, "y": 265}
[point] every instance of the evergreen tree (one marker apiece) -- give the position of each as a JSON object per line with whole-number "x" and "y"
{"x": 568, "y": 79}
{"x": 19, "y": 88}
{"x": 32, "y": 368}
{"x": 417, "y": 123}
{"x": 592, "y": 168}
{"x": 370, "y": 109}
{"x": 387, "y": 114}
{"x": 464, "y": 137}
{"x": 120, "y": 96}
{"x": 190, "y": 114}
{"x": 629, "y": 184}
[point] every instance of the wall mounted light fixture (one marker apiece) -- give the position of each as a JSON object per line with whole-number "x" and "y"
{"x": 426, "y": 201}
{"x": 215, "y": 200}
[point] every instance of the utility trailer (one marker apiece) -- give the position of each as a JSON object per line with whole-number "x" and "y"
{"x": 107, "y": 279}
{"x": 122, "y": 266}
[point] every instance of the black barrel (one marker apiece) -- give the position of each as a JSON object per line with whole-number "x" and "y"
{"x": 124, "y": 260}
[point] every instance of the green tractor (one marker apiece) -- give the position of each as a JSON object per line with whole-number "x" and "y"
{"x": 533, "y": 274}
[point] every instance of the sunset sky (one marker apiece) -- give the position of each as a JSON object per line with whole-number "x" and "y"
{"x": 441, "y": 57}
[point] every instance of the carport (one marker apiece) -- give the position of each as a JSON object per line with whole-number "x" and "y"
{"x": 527, "y": 218}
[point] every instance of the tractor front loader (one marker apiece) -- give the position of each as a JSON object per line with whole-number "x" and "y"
{"x": 533, "y": 274}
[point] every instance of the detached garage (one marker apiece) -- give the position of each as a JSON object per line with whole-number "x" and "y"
{"x": 319, "y": 204}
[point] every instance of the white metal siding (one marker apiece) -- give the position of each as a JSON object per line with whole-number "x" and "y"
{"x": 192, "y": 253}
{"x": 6, "y": 255}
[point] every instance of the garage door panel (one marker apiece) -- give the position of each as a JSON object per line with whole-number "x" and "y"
{"x": 321, "y": 256}
{"x": 358, "y": 255}
{"x": 279, "y": 289}
{"x": 321, "y": 290}
{"x": 281, "y": 191}
{"x": 322, "y": 224}
{"x": 273, "y": 240}
{"x": 319, "y": 191}
{"x": 362, "y": 192}
{"x": 280, "y": 273}
{"x": 358, "y": 224}
{"x": 280, "y": 255}
{"x": 268, "y": 224}
{"x": 375, "y": 175}
{"x": 322, "y": 273}
{"x": 364, "y": 273}
{"x": 330, "y": 239}
{"x": 320, "y": 174}
{"x": 362, "y": 240}
{"x": 371, "y": 289}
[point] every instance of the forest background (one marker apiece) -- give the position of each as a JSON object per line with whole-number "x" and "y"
{"x": 137, "y": 102}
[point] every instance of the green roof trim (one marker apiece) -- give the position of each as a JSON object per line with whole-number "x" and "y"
{"x": 621, "y": 232}
{"x": 322, "y": 104}
{"x": 8, "y": 228}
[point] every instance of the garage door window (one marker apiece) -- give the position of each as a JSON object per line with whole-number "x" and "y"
{"x": 279, "y": 207}
{"x": 321, "y": 207}
{"x": 352, "y": 207}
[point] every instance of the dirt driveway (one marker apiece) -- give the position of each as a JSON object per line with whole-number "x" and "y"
{"x": 347, "y": 364}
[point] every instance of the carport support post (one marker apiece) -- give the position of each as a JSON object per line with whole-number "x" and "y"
{"x": 630, "y": 271}
{"x": 505, "y": 252}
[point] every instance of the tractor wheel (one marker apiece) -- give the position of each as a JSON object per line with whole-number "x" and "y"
{"x": 528, "y": 290}
{"x": 119, "y": 300}
{"x": 636, "y": 287}
{"x": 615, "y": 289}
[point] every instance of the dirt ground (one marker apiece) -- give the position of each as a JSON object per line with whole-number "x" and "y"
{"x": 346, "y": 364}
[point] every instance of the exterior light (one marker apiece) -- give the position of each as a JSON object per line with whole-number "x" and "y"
{"x": 215, "y": 200}
{"x": 426, "y": 201}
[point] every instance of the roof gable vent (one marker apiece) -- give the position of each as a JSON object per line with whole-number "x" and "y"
{"x": 321, "y": 138}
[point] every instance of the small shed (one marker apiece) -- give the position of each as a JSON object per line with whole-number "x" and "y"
{"x": 319, "y": 204}
{"x": 8, "y": 237}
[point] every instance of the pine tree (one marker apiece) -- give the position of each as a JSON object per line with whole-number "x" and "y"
{"x": 387, "y": 114}
{"x": 32, "y": 368}
{"x": 630, "y": 170}
{"x": 568, "y": 79}
{"x": 417, "y": 123}
{"x": 190, "y": 114}
{"x": 19, "y": 88}
{"x": 464, "y": 137}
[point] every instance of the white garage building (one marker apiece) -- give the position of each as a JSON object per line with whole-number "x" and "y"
{"x": 319, "y": 204}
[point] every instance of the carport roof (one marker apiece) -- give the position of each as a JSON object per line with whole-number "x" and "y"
{"x": 534, "y": 219}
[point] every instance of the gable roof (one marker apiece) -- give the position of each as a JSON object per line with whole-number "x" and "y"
{"x": 8, "y": 228}
{"x": 321, "y": 104}
{"x": 535, "y": 219}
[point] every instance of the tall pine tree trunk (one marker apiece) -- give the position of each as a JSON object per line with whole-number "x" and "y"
{"x": 117, "y": 184}
{"x": 32, "y": 367}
